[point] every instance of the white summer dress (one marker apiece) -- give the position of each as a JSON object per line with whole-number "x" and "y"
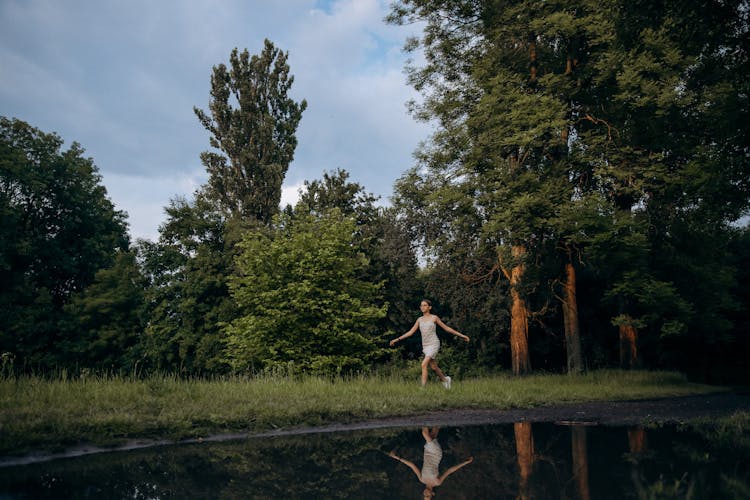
{"x": 433, "y": 453}
{"x": 430, "y": 340}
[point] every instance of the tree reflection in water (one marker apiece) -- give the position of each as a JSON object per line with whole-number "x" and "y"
{"x": 525, "y": 454}
{"x": 430, "y": 475}
{"x": 580, "y": 461}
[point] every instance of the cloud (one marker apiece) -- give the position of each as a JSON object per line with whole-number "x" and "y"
{"x": 290, "y": 193}
{"x": 122, "y": 78}
{"x": 348, "y": 65}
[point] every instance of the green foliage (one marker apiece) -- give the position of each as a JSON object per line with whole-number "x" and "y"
{"x": 187, "y": 294}
{"x": 605, "y": 134}
{"x": 257, "y": 138}
{"x": 59, "y": 230}
{"x": 335, "y": 191}
{"x": 303, "y": 303}
{"x": 108, "y": 318}
{"x": 252, "y": 122}
{"x": 393, "y": 261}
{"x": 379, "y": 235}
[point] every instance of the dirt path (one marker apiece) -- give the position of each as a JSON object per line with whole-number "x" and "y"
{"x": 676, "y": 410}
{"x": 681, "y": 409}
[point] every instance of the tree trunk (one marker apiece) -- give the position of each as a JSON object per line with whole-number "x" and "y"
{"x": 637, "y": 439}
{"x": 519, "y": 318}
{"x": 628, "y": 345}
{"x": 532, "y": 57}
{"x": 580, "y": 461}
{"x": 570, "y": 319}
{"x": 525, "y": 455}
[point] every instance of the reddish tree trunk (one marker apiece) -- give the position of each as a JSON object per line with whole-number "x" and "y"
{"x": 580, "y": 461}
{"x": 570, "y": 318}
{"x": 637, "y": 439}
{"x": 525, "y": 455}
{"x": 628, "y": 346}
{"x": 519, "y": 319}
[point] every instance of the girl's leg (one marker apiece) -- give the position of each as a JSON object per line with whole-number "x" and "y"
{"x": 437, "y": 370}
{"x": 425, "y": 364}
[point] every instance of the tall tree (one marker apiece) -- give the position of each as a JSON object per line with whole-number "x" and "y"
{"x": 58, "y": 230}
{"x": 252, "y": 123}
{"x": 565, "y": 122}
{"x": 679, "y": 170}
{"x": 499, "y": 81}
{"x": 256, "y": 140}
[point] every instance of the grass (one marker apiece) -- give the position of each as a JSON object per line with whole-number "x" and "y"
{"x": 36, "y": 413}
{"x": 731, "y": 431}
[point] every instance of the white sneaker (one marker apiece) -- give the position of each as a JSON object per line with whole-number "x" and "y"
{"x": 447, "y": 382}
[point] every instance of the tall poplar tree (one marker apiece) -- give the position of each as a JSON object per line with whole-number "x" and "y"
{"x": 253, "y": 123}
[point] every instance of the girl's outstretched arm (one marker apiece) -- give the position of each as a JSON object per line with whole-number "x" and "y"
{"x": 409, "y": 464}
{"x": 407, "y": 334}
{"x": 455, "y": 468}
{"x": 451, "y": 330}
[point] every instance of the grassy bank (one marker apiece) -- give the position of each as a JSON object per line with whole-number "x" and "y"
{"x": 43, "y": 414}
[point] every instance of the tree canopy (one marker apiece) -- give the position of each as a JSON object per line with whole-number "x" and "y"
{"x": 303, "y": 305}
{"x": 59, "y": 229}
{"x": 569, "y": 133}
{"x": 253, "y": 126}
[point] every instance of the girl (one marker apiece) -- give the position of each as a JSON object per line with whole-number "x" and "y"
{"x": 430, "y": 341}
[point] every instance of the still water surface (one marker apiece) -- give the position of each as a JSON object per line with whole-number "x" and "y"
{"x": 522, "y": 460}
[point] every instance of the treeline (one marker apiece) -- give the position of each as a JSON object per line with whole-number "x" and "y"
{"x": 580, "y": 205}
{"x": 233, "y": 284}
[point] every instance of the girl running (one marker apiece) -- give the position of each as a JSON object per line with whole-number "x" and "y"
{"x": 430, "y": 341}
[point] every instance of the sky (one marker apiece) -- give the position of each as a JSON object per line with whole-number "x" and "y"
{"x": 121, "y": 78}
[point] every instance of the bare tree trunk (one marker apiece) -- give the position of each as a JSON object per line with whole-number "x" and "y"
{"x": 580, "y": 461}
{"x": 532, "y": 57}
{"x": 519, "y": 318}
{"x": 525, "y": 456}
{"x": 628, "y": 345}
{"x": 570, "y": 318}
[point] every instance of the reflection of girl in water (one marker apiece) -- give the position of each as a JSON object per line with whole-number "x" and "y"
{"x": 433, "y": 453}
